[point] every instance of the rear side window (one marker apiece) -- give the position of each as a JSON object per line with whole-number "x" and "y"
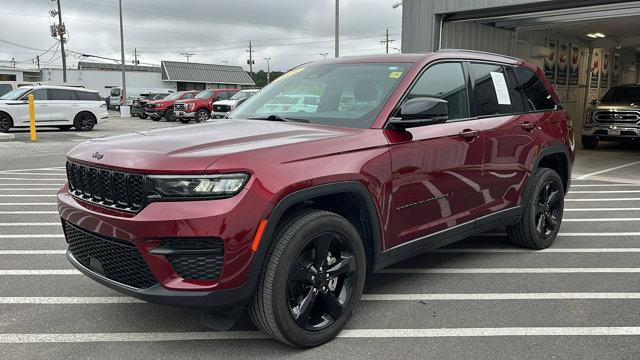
{"x": 444, "y": 81}
{"x": 87, "y": 96}
{"x": 187, "y": 96}
{"x": 492, "y": 94}
{"x": 537, "y": 96}
{"x": 5, "y": 88}
{"x": 515, "y": 91}
{"x": 223, "y": 95}
{"x": 60, "y": 95}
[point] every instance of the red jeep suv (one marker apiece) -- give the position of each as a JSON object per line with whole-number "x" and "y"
{"x": 284, "y": 212}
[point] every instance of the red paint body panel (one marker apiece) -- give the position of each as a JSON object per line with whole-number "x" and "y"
{"x": 421, "y": 181}
{"x": 205, "y": 103}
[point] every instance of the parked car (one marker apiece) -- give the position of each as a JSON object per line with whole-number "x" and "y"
{"x": 222, "y": 107}
{"x": 57, "y": 106}
{"x": 132, "y": 93}
{"x": 138, "y": 105}
{"x": 286, "y": 213}
{"x": 199, "y": 108}
{"x": 615, "y": 118}
{"x": 303, "y": 103}
{"x": 6, "y": 86}
{"x": 157, "y": 109}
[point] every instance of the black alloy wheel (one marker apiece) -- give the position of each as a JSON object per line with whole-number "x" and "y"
{"x": 5, "y": 123}
{"x": 169, "y": 115}
{"x": 321, "y": 281}
{"x": 548, "y": 209}
{"x": 202, "y": 115}
{"x": 84, "y": 122}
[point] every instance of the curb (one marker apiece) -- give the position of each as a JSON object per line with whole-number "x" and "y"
{"x": 4, "y": 136}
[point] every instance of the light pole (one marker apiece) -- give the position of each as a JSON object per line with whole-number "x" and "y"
{"x": 324, "y": 55}
{"x": 337, "y": 31}
{"x": 268, "y": 69}
{"x": 124, "y": 75}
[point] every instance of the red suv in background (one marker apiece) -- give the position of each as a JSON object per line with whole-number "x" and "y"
{"x": 286, "y": 212}
{"x": 164, "y": 108}
{"x": 199, "y": 108}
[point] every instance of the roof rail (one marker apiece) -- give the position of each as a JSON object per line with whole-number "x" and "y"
{"x": 479, "y": 52}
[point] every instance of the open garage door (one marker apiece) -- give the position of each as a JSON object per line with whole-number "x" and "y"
{"x": 584, "y": 50}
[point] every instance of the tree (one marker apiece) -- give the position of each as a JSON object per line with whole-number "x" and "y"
{"x": 260, "y": 77}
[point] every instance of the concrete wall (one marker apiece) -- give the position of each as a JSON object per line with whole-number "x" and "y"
{"x": 102, "y": 81}
{"x": 9, "y": 73}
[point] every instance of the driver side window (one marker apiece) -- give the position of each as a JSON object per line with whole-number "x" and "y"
{"x": 39, "y": 94}
{"x": 444, "y": 81}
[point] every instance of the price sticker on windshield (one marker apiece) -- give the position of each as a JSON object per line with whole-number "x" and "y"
{"x": 395, "y": 74}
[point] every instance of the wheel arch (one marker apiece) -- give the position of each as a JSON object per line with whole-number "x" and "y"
{"x": 95, "y": 118}
{"x": 557, "y": 158}
{"x": 360, "y": 211}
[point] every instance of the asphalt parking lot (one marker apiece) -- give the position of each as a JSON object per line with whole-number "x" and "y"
{"x": 480, "y": 298}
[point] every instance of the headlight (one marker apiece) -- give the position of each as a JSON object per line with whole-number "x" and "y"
{"x": 223, "y": 185}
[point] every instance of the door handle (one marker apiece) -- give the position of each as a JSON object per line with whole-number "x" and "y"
{"x": 528, "y": 126}
{"x": 468, "y": 134}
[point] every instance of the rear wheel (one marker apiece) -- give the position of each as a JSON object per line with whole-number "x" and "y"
{"x": 6, "y": 123}
{"x": 202, "y": 115}
{"x": 84, "y": 121}
{"x": 155, "y": 118}
{"x": 589, "y": 142}
{"x": 542, "y": 214}
{"x": 169, "y": 115}
{"x": 311, "y": 280}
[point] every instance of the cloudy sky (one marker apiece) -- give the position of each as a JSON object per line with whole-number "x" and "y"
{"x": 289, "y": 31}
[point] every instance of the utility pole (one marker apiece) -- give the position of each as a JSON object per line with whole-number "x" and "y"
{"x": 38, "y": 61}
{"x": 136, "y": 62}
{"x": 187, "y": 55}
{"x": 337, "y": 31}
{"x": 268, "y": 69}
{"x": 386, "y": 40}
{"x": 250, "y": 62}
{"x": 325, "y": 55}
{"x": 124, "y": 64}
{"x": 13, "y": 62}
{"x": 226, "y": 62}
{"x": 58, "y": 31}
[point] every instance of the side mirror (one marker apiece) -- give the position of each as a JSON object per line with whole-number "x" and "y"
{"x": 594, "y": 102}
{"x": 421, "y": 111}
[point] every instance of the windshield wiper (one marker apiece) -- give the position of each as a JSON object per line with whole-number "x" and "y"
{"x": 275, "y": 117}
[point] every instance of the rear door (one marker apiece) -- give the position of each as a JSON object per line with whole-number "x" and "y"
{"x": 508, "y": 127}
{"x": 436, "y": 168}
{"x": 63, "y": 106}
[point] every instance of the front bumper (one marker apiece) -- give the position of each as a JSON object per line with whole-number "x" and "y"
{"x": 624, "y": 132}
{"x": 154, "y": 112}
{"x": 219, "y": 114}
{"x": 181, "y": 114}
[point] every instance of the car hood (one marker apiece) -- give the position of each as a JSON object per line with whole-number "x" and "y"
{"x": 616, "y": 106}
{"x": 161, "y": 102}
{"x": 188, "y": 101}
{"x": 193, "y": 148}
{"x": 225, "y": 102}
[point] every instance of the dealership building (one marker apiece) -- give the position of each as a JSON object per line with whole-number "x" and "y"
{"x": 584, "y": 46}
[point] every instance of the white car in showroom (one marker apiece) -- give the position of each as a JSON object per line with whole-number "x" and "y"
{"x": 55, "y": 106}
{"x": 222, "y": 107}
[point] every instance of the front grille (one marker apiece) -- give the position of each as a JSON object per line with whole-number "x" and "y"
{"x": 115, "y": 260}
{"x": 179, "y": 106}
{"x": 105, "y": 187}
{"x": 196, "y": 258}
{"x": 221, "y": 108}
{"x": 617, "y": 117}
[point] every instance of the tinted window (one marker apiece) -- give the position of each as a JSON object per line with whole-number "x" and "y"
{"x": 444, "y": 81}
{"x": 538, "y": 97}
{"x": 5, "y": 88}
{"x": 622, "y": 94}
{"x": 87, "y": 96}
{"x": 58, "y": 94}
{"x": 40, "y": 94}
{"x": 515, "y": 91}
{"x": 187, "y": 96}
{"x": 223, "y": 95}
{"x": 490, "y": 81}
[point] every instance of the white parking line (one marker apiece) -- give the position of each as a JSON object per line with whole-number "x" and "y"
{"x": 28, "y": 189}
{"x": 38, "y": 184}
{"x": 39, "y": 272}
{"x": 35, "y": 173}
{"x": 608, "y": 234}
{"x": 548, "y": 250}
{"x": 601, "y": 219}
{"x": 28, "y": 212}
{"x": 28, "y": 195}
{"x": 32, "y": 252}
{"x": 31, "y": 224}
{"x": 602, "y": 209}
{"x": 605, "y": 192}
{"x": 70, "y": 300}
{"x": 27, "y": 204}
{"x": 60, "y": 168}
{"x": 31, "y": 179}
{"x": 586, "y": 176}
{"x": 495, "y": 296}
{"x": 510, "y": 271}
{"x": 349, "y": 333}
{"x": 603, "y": 185}
{"x": 604, "y": 199}
{"x": 30, "y": 236}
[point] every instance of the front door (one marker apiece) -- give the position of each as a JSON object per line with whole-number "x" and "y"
{"x": 436, "y": 168}
{"x": 41, "y": 106}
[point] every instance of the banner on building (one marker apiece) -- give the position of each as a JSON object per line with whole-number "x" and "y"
{"x": 563, "y": 64}
{"x": 615, "y": 70}
{"x": 574, "y": 66}
{"x": 550, "y": 61}
{"x": 595, "y": 69}
{"x": 604, "y": 71}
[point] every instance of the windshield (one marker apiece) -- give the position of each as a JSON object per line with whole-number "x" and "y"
{"x": 349, "y": 95}
{"x": 241, "y": 95}
{"x": 174, "y": 96}
{"x": 160, "y": 96}
{"x": 626, "y": 94}
{"x": 115, "y": 92}
{"x": 204, "y": 95}
{"x": 15, "y": 94}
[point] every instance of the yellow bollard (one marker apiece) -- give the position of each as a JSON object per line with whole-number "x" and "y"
{"x": 32, "y": 118}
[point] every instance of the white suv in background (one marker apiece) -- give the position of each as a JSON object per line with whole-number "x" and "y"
{"x": 222, "y": 107}
{"x": 57, "y": 106}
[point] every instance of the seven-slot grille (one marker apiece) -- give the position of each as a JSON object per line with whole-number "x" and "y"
{"x": 617, "y": 117}
{"x": 179, "y": 106}
{"x": 221, "y": 108}
{"x": 105, "y": 187}
{"x": 116, "y": 260}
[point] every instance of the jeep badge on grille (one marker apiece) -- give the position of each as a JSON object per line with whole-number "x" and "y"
{"x": 97, "y": 155}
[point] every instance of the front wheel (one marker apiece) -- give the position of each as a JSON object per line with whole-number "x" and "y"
{"x": 311, "y": 280}
{"x": 202, "y": 115}
{"x": 542, "y": 214}
{"x": 169, "y": 115}
{"x": 143, "y": 116}
{"x": 84, "y": 122}
{"x": 5, "y": 123}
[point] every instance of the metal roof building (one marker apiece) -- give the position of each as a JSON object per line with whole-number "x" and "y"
{"x": 188, "y": 76}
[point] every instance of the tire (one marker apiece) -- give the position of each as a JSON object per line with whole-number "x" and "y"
{"x": 202, "y": 115}
{"x": 65, "y": 127}
{"x": 84, "y": 121}
{"x": 169, "y": 115}
{"x": 185, "y": 121}
{"x": 155, "y": 118}
{"x": 143, "y": 116}
{"x": 6, "y": 123}
{"x": 272, "y": 306}
{"x": 542, "y": 215}
{"x": 589, "y": 142}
